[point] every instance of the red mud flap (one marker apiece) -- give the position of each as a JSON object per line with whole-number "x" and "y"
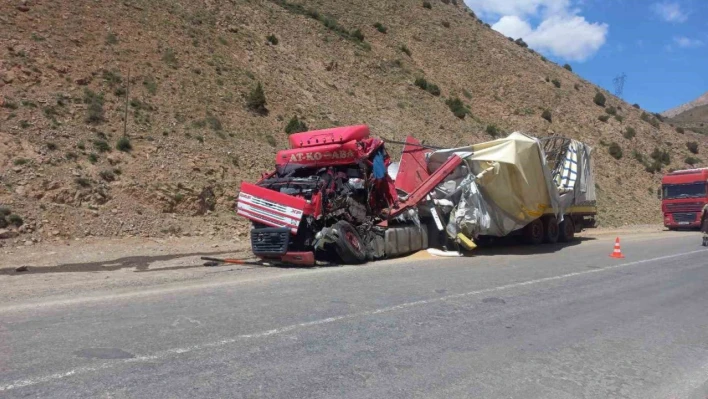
{"x": 296, "y": 258}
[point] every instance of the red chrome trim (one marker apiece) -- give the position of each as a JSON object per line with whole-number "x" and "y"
{"x": 267, "y": 209}
{"x": 278, "y": 223}
{"x": 261, "y": 219}
{"x": 270, "y": 207}
{"x": 274, "y": 196}
{"x": 289, "y": 221}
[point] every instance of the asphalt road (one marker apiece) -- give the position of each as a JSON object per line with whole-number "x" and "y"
{"x": 550, "y": 322}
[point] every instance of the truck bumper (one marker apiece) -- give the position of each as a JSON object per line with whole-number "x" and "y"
{"x": 292, "y": 258}
{"x": 271, "y": 243}
{"x": 682, "y": 220}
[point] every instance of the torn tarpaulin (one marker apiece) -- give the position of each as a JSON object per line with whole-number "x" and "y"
{"x": 471, "y": 215}
{"x": 505, "y": 184}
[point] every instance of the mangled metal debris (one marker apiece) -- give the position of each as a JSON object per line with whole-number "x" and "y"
{"x": 336, "y": 194}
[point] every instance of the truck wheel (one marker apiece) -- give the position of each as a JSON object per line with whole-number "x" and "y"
{"x": 349, "y": 247}
{"x": 533, "y": 232}
{"x": 550, "y": 230}
{"x": 567, "y": 230}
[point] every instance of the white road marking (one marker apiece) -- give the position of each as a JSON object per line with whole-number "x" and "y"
{"x": 195, "y": 348}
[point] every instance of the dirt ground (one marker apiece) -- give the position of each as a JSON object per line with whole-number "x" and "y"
{"x": 87, "y": 265}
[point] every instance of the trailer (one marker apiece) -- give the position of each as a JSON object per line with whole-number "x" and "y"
{"x": 336, "y": 195}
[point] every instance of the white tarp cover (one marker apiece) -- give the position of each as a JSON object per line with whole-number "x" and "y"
{"x": 510, "y": 186}
{"x": 573, "y": 173}
{"x": 584, "y": 191}
{"x": 568, "y": 171}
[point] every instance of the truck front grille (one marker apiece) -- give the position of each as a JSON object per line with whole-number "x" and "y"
{"x": 270, "y": 241}
{"x": 684, "y": 217}
{"x": 684, "y": 207}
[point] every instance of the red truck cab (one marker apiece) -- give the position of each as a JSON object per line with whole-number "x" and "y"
{"x": 684, "y": 193}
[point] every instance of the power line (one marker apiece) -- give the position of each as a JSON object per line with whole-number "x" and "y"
{"x": 618, "y": 82}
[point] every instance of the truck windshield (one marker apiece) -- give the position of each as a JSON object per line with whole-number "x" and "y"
{"x": 691, "y": 190}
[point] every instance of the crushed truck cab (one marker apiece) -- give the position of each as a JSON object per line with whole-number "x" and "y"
{"x": 328, "y": 190}
{"x": 336, "y": 195}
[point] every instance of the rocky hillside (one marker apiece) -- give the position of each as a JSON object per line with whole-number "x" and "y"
{"x": 700, "y": 101}
{"x": 196, "y": 125}
{"x": 695, "y": 119}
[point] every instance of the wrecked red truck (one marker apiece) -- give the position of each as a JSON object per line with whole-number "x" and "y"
{"x": 336, "y": 195}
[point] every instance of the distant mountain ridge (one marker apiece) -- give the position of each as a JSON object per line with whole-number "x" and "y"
{"x": 694, "y": 119}
{"x": 702, "y": 100}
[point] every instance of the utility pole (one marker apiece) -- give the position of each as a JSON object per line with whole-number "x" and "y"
{"x": 127, "y": 95}
{"x": 618, "y": 82}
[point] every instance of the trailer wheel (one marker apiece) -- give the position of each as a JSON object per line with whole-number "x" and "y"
{"x": 349, "y": 247}
{"x": 567, "y": 230}
{"x": 533, "y": 232}
{"x": 550, "y": 230}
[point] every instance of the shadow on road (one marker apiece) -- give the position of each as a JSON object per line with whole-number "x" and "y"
{"x": 140, "y": 263}
{"x": 511, "y": 246}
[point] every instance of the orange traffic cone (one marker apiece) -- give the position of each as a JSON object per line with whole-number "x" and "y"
{"x": 617, "y": 253}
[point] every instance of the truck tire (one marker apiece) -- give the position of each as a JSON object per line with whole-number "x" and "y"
{"x": 550, "y": 229}
{"x": 349, "y": 247}
{"x": 533, "y": 232}
{"x": 566, "y": 230}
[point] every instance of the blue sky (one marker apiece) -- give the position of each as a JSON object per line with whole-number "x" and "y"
{"x": 661, "y": 46}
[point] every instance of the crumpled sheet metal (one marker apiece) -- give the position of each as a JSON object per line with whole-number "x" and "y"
{"x": 515, "y": 188}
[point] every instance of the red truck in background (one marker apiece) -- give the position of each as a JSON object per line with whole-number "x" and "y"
{"x": 684, "y": 193}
